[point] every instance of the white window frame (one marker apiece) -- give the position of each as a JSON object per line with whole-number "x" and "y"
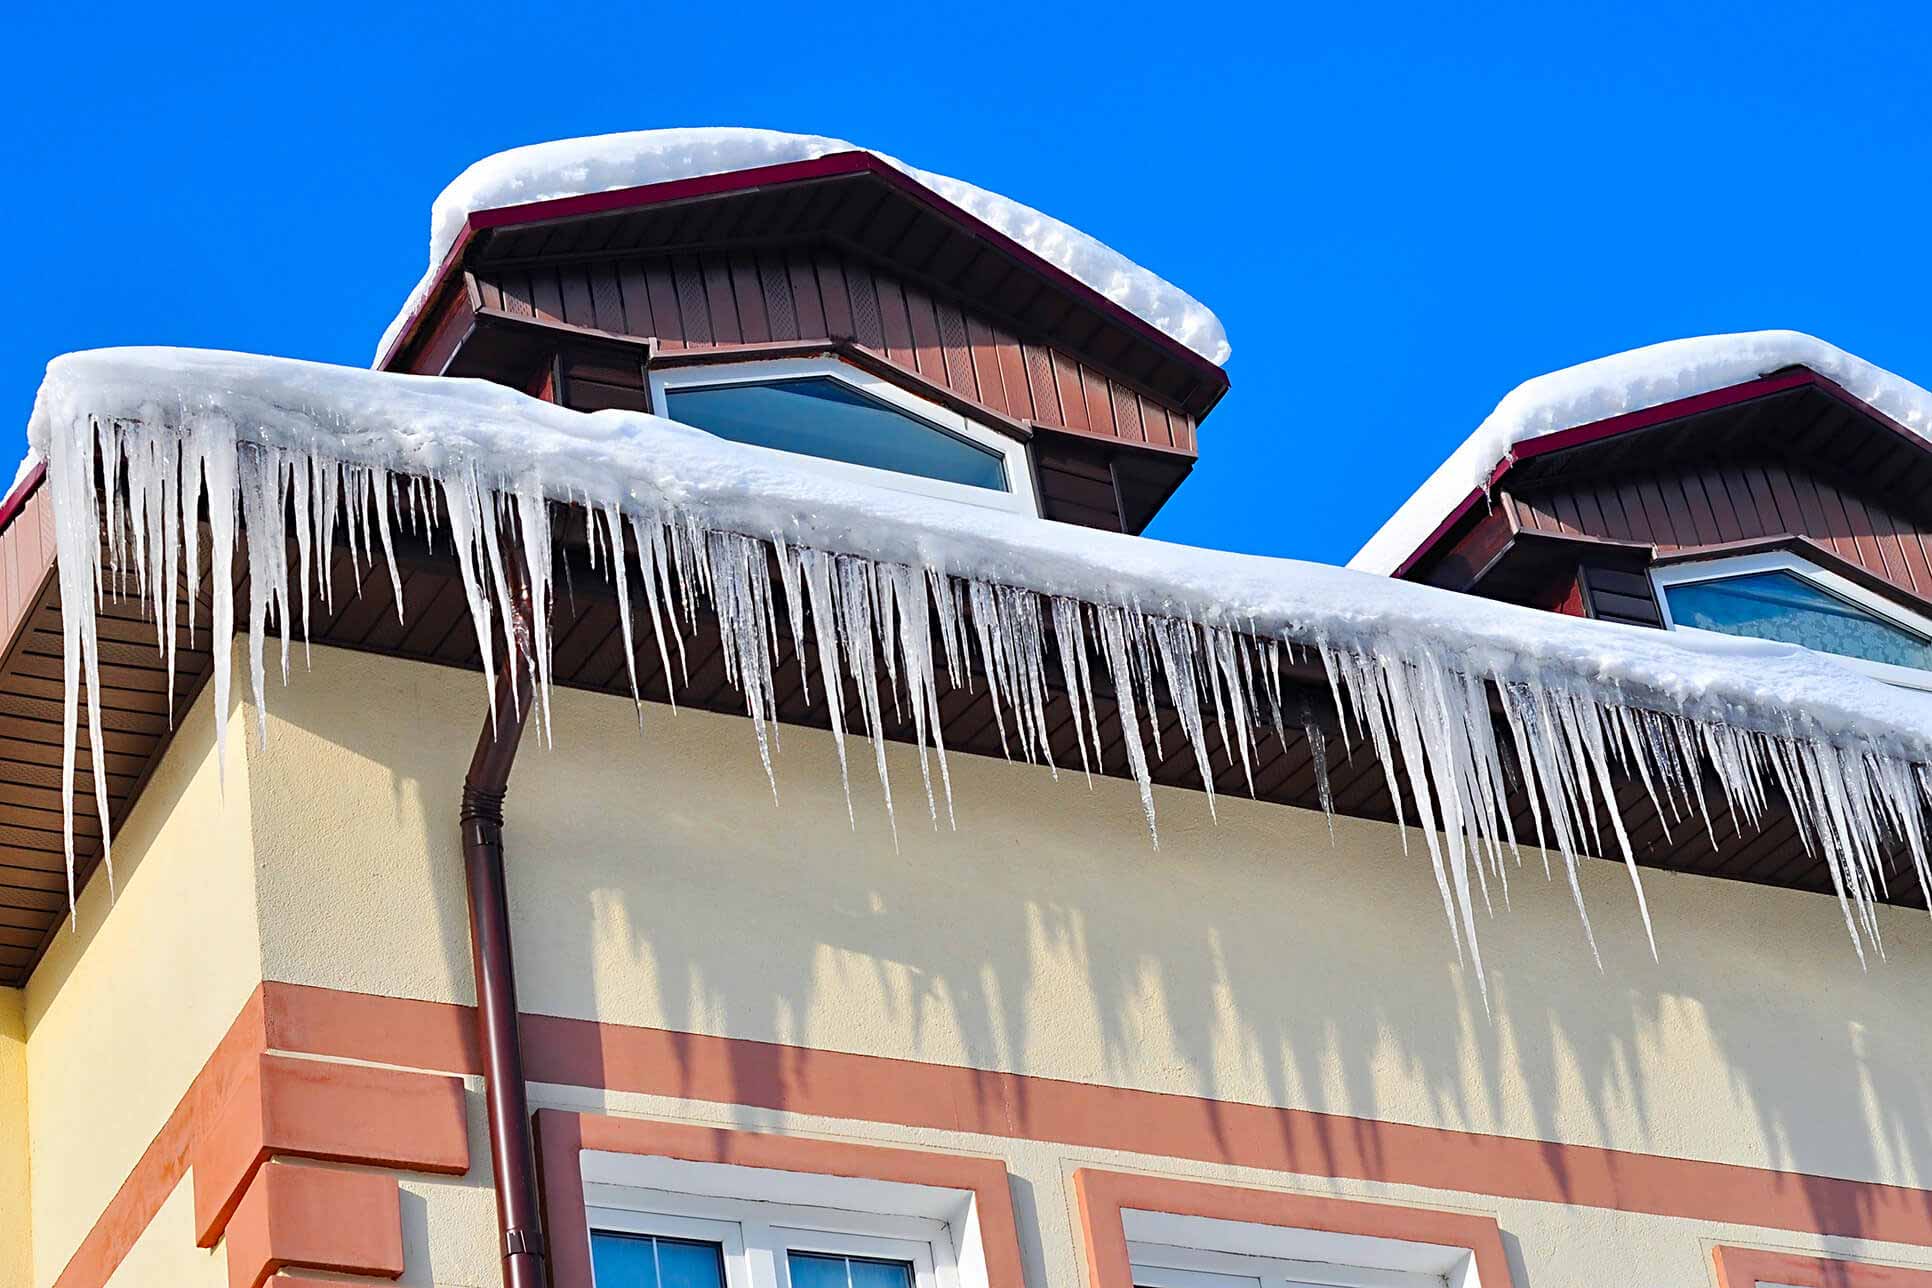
{"x": 761, "y": 1215}
{"x": 1020, "y": 496}
{"x": 1168, "y": 1250}
{"x": 1725, "y": 567}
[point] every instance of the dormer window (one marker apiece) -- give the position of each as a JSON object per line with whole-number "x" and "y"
{"x": 853, "y": 423}
{"x": 1783, "y": 597}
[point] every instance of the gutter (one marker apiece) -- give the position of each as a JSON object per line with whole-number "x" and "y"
{"x": 512, "y": 1157}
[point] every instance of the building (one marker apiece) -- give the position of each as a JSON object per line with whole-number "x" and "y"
{"x": 991, "y": 1034}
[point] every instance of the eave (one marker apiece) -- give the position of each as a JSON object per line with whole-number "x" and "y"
{"x": 435, "y": 628}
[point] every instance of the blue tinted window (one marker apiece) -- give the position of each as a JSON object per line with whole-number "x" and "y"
{"x": 816, "y": 1270}
{"x": 1783, "y": 606}
{"x": 645, "y": 1261}
{"x": 827, "y": 418}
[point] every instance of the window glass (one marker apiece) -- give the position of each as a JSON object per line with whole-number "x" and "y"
{"x": 646, "y": 1261}
{"x": 827, "y": 418}
{"x": 817, "y": 1270}
{"x": 1784, "y": 606}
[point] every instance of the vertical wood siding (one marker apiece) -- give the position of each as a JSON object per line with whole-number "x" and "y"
{"x": 752, "y": 297}
{"x": 1715, "y": 504}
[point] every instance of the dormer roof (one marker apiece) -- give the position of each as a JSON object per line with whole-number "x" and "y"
{"x": 1766, "y": 395}
{"x": 683, "y": 190}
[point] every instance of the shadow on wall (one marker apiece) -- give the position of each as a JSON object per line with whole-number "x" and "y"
{"x": 655, "y": 882}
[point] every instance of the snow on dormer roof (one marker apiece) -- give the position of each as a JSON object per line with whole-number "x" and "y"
{"x": 1625, "y": 382}
{"x": 610, "y": 162}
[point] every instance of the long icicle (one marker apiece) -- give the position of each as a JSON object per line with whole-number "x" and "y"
{"x": 882, "y": 628}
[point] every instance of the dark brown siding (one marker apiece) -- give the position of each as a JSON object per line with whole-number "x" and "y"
{"x": 1720, "y": 504}
{"x": 751, "y": 297}
{"x": 1616, "y": 595}
{"x": 1076, "y": 484}
{"x": 598, "y": 383}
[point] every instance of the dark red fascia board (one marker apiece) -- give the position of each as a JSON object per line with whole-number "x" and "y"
{"x": 10, "y": 508}
{"x": 830, "y": 166}
{"x": 1629, "y": 422}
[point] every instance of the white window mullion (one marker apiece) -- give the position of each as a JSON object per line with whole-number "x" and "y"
{"x": 765, "y": 1257}
{"x": 760, "y": 1217}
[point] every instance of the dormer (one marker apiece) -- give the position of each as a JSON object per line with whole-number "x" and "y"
{"x": 838, "y": 306}
{"x": 1782, "y": 503}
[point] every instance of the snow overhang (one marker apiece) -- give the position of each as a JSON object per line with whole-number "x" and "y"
{"x": 1300, "y": 683}
{"x": 1613, "y": 403}
{"x": 1016, "y": 263}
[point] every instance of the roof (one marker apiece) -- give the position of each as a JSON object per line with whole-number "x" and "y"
{"x": 1069, "y": 640}
{"x": 1626, "y": 392}
{"x": 606, "y": 172}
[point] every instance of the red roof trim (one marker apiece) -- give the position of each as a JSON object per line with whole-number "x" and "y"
{"x": 1628, "y": 422}
{"x": 830, "y": 166}
{"x": 10, "y": 508}
{"x": 655, "y": 194}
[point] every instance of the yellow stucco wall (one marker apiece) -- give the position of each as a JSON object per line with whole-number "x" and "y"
{"x": 124, "y": 1010}
{"x": 16, "y": 1231}
{"x": 654, "y": 882}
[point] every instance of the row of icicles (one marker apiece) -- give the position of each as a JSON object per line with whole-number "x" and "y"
{"x": 893, "y": 629}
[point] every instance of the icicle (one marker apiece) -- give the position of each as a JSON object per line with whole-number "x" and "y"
{"x": 741, "y": 594}
{"x": 881, "y": 627}
{"x": 821, "y": 589}
{"x": 1114, "y": 648}
{"x": 620, "y": 577}
{"x": 1070, "y": 641}
{"x": 648, "y": 532}
{"x": 533, "y": 523}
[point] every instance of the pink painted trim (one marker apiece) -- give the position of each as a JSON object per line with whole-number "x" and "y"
{"x": 1630, "y": 421}
{"x": 830, "y": 166}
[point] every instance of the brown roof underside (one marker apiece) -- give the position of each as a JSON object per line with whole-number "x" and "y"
{"x": 589, "y": 655}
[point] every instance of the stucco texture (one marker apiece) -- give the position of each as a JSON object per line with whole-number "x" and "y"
{"x": 16, "y": 1231}
{"x": 129, "y": 1003}
{"x": 654, "y": 881}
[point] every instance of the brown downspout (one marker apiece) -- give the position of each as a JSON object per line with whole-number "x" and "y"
{"x": 512, "y": 1159}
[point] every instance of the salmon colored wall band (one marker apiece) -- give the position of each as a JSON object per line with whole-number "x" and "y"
{"x": 910, "y": 1093}
{"x": 1749, "y": 1267}
{"x": 437, "y": 1037}
{"x": 315, "y": 1218}
{"x": 341, "y": 1113}
{"x": 562, "y": 1137}
{"x": 1103, "y": 1194}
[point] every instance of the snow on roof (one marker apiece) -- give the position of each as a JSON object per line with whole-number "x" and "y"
{"x": 1627, "y": 382}
{"x": 607, "y": 162}
{"x": 1412, "y": 666}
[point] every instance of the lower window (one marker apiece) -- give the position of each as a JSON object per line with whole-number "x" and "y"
{"x": 1170, "y": 1251}
{"x": 651, "y": 1250}
{"x": 658, "y": 1238}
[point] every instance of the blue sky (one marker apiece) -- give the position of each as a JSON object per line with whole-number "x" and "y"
{"x": 1400, "y": 212}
